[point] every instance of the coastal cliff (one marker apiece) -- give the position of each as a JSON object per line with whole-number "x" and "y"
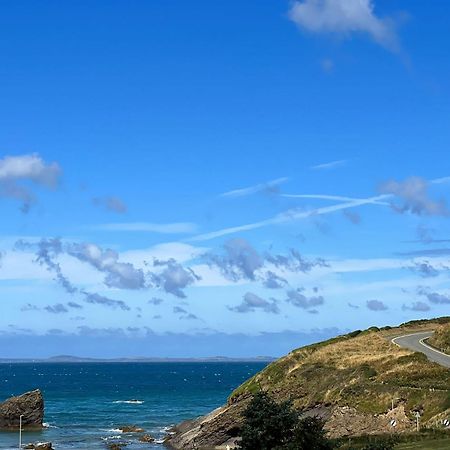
{"x": 359, "y": 383}
{"x": 29, "y": 405}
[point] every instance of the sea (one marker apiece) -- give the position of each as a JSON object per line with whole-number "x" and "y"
{"x": 86, "y": 403}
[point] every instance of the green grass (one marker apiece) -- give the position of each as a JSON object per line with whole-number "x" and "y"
{"x": 440, "y": 444}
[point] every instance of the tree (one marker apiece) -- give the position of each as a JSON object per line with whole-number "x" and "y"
{"x": 272, "y": 426}
{"x": 310, "y": 435}
{"x": 267, "y": 424}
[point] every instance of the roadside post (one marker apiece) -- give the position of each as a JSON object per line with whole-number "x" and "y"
{"x": 20, "y": 431}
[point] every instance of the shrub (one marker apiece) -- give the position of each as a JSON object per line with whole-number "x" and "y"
{"x": 272, "y": 426}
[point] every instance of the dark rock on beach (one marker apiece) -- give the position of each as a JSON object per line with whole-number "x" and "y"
{"x": 30, "y": 405}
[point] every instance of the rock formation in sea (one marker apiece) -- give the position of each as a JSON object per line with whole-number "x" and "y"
{"x": 29, "y": 405}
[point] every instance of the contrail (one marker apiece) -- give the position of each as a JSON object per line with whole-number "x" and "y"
{"x": 290, "y": 215}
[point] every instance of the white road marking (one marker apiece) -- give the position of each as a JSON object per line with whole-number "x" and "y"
{"x": 431, "y": 348}
{"x": 421, "y": 341}
{"x": 407, "y": 335}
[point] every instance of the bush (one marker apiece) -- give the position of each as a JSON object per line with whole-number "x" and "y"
{"x": 272, "y": 426}
{"x": 267, "y": 424}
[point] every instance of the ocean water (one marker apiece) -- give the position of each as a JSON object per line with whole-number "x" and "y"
{"x": 85, "y": 403}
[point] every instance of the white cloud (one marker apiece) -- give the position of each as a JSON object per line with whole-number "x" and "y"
{"x": 329, "y": 165}
{"x": 29, "y": 167}
{"x": 163, "y": 228}
{"x": 15, "y": 170}
{"x": 344, "y": 17}
{"x": 178, "y": 251}
{"x": 268, "y": 187}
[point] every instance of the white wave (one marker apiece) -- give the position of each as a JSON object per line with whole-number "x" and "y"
{"x": 130, "y": 402}
{"x": 47, "y": 425}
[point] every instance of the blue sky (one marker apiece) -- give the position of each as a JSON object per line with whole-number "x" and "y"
{"x": 174, "y": 175}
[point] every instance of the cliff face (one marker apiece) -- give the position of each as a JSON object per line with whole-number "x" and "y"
{"x": 359, "y": 383}
{"x": 30, "y": 405}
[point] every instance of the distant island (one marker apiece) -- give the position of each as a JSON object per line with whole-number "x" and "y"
{"x": 77, "y": 359}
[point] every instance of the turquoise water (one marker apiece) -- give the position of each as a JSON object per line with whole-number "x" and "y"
{"x": 86, "y": 402}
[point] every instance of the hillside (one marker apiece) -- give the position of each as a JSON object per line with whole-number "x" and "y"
{"x": 351, "y": 381}
{"x": 441, "y": 338}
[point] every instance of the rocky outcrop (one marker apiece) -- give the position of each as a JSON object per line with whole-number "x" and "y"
{"x": 221, "y": 427}
{"x": 29, "y": 405}
{"x": 40, "y": 446}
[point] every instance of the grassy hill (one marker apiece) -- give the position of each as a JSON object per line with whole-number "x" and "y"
{"x": 352, "y": 381}
{"x": 441, "y": 338}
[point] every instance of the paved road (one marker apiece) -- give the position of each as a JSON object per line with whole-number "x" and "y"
{"x": 416, "y": 343}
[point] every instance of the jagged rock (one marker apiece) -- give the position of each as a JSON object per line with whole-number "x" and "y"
{"x": 40, "y": 446}
{"x": 30, "y": 405}
{"x": 146, "y": 438}
{"x": 217, "y": 428}
{"x": 117, "y": 445}
{"x": 131, "y": 429}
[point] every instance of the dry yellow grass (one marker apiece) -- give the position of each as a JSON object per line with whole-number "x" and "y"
{"x": 364, "y": 370}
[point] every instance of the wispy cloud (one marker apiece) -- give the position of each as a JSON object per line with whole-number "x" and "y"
{"x": 376, "y": 305}
{"x": 288, "y": 216}
{"x": 339, "y": 198}
{"x": 330, "y": 165}
{"x": 111, "y": 203}
{"x": 269, "y": 187}
{"x": 411, "y": 195}
{"x": 252, "y": 302}
{"x": 344, "y": 17}
{"x": 149, "y": 227}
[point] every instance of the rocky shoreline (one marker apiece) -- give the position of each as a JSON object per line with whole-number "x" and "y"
{"x": 221, "y": 427}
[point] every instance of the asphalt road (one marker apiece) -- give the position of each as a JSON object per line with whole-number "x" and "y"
{"x": 416, "y": 343}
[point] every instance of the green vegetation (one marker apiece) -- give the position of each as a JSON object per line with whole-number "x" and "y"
{"x": 441, "y": 444}
{"x": 441, "y": 338}
{"x": 426, "y": 439}
{"x": 272, "y": 426}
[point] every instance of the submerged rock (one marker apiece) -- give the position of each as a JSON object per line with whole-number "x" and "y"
{"x": 117, "y": 445}
{"x": 131, "y": 429}
{"x": 147, "y": 438}
{"x": 29, "y": 405}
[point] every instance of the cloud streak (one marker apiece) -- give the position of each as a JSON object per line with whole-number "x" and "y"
{"x": 330, "y": 165}
{"x": 270, "y": 187}
{"x": 289, "y": 216}
{"x": 162, "y": 228}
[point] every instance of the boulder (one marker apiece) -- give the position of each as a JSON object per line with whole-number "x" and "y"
{"x": 29, "y": 405}
{"x": 147, "y": 438}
